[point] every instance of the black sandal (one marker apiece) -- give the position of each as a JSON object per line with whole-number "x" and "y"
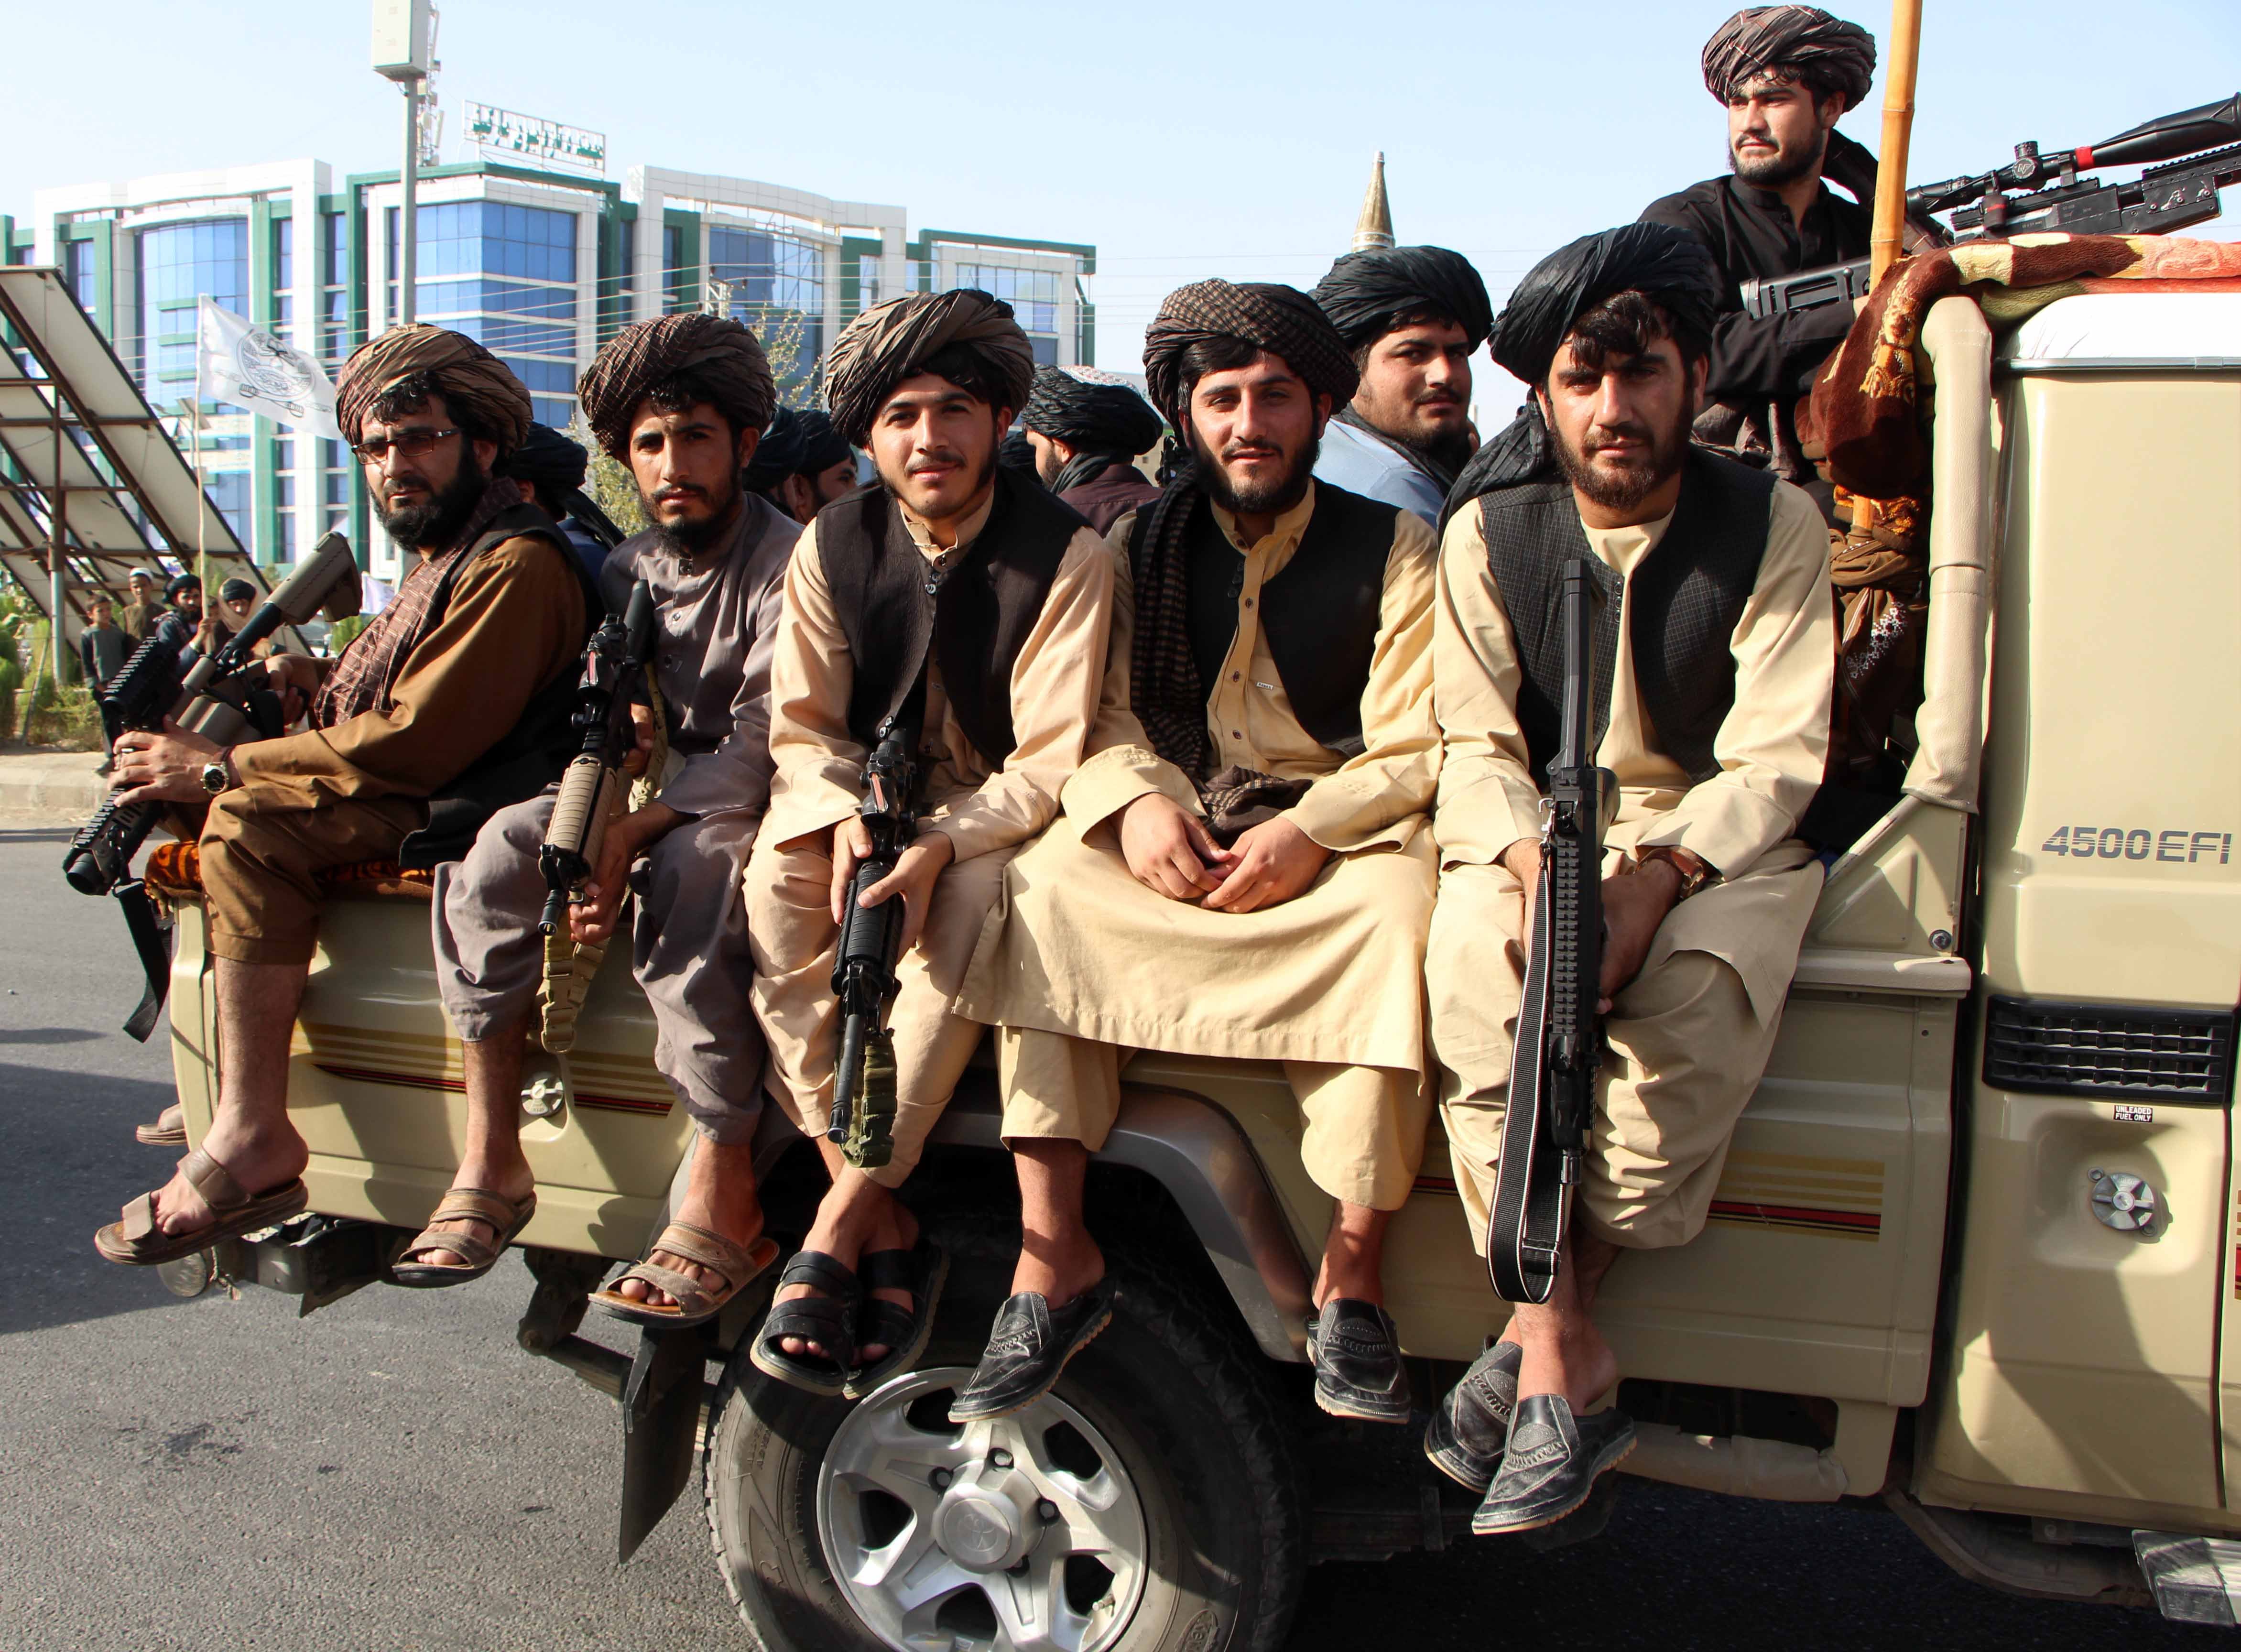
{"x": 921, "y": 1271}
{"x": 828, "y": 1320}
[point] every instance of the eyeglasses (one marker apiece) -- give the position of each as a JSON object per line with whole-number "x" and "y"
{"x": 411, "y": 444}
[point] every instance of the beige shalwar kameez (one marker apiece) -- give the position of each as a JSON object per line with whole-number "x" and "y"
{"x": 985, "y": 809}
{"x": 1690, "y": 1035}
{"x": 1082, "y": 962}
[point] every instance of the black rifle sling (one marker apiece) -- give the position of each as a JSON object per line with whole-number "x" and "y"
{"x": 153, "y": 946}
{"x": 1525, "y": 1229}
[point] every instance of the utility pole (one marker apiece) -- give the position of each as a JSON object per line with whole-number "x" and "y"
{"x": 403, "y": 50}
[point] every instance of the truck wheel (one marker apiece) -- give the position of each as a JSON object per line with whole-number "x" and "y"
{"x": 1150, "y": 1503}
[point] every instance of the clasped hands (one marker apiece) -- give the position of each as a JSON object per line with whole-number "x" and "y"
{"x": 1169, "y": 849}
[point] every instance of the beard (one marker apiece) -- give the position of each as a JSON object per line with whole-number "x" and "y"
{"x": 1624, "y": 488}
{"x": 1271, "y": 497}
{"x": 438, "y": 524}
{"x": 688, "y": 538}
{"x": 1449, "y": 449}
{"x": 1784, "y": 166}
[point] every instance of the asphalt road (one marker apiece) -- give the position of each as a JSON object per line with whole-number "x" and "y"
{"x": 392, "y": 1472}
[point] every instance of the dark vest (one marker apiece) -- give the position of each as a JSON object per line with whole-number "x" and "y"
{"x": 1319, "y": 613}
{"x": 529, "y": 756}
{"x": 974, "y": 619}
{"x": 1689, "y": 592}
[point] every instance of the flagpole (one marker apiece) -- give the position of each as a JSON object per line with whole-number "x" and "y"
{"x": 202, "y": 494}
{"x": 1886, "y": 233}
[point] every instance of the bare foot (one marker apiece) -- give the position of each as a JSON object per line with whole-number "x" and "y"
{"x": 720, "y": 1195}
{"x": 513, "y": 1181}
{"x": 257, "y": 1159}
{"x": 857, "y": 1215}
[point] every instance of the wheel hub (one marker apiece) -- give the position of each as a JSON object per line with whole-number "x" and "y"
{"x": 982, "y": 1530}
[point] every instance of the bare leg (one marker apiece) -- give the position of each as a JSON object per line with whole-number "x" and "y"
{"x": 1058, "y": 1259}
{"x": 856, "y": 1216}
{"x": 1354, "y": 1256}
{"x": 1564, "y": 1352}
{"x": 249, "y": 1135}
{"x": 493, "y": 1158}
{"x": 720, "y": 1195}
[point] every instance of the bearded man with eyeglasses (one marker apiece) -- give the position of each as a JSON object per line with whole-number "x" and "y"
{"x": 454, "y": 702}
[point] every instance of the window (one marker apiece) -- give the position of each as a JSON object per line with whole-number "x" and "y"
{"x": 678, "y": 284}
{"x": 334, "y": 288}
{"x": 778, "y": 289}
{"x": 1033, "y": 295}
{"x": 179, "y": 264}
{"x": 283, "y": 277}
{"x": 78, "y": 272}
{"x": 505, "y": 276}
{"x": 867, "y": 283}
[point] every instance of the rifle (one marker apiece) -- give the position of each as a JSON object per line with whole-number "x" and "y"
{"x": 1559, "y": 1046}
{"x": 593, "y": 785}
{"x": 223, "y": 697}
{"x": 2039, "y": 191}
{"x": 863, "y": 1122}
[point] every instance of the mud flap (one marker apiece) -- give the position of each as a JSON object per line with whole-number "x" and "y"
{"x": 661, "y": 1417}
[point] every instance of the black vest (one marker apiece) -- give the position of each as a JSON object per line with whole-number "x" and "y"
{"x": 1320, "y": 612}
{"x": 1689, "y": 592}
{"x": 974, "y": 619}
{"x": 529, "y": 756}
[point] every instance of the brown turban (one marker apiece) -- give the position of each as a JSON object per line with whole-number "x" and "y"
{"x": 725, "y": 362}
{"x": 470, "y": 380}
{"x": 1801, "y": 43}
{"x": 893, "y": 341}
{"x": 1281, "y": 320}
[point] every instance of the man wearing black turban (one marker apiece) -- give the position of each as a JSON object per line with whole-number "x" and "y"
{"x": 550, "y": 468}
{"x": 1785, "y": 74}
{"x": 1411, "y": 316}
{"x": 1261, "y": 770}
{"x": 1085, "y": 436}
{"x": 802, "y": 465}
{"x": 1715, "y": 641}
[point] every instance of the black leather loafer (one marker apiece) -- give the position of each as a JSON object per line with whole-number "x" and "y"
{"x": 1552, "y": 1463}
{"x": 1470, "y": 1426}
{"x": 1357, "y": 1355}
{"x": 1028, "y": 1347}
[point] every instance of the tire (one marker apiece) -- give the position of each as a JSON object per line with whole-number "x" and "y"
{"x": 1166, "y": 1411}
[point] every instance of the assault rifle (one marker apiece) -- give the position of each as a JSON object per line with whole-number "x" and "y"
{"x": 593, "y": 785}
{"x": 1559, "y": 1045}
{"x": 223, "y": 697}
{"x": 2038, "y": 192}
{"x": 863, "y": 1122}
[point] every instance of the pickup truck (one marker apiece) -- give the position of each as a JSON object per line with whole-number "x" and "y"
{"x": 1973, "y": 1254}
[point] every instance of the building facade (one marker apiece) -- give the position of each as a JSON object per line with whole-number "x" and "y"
{"x": 542, "y": 267}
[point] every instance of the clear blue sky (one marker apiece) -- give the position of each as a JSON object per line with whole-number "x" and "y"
{"x": 1184, "y": 138}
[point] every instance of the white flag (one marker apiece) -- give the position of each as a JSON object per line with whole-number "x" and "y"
{"x": 249, "y": 367}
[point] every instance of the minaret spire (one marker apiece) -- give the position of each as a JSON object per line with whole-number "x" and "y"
{"x": 1374, "y": 227}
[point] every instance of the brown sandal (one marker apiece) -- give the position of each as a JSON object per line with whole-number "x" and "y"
{"x": 169, "y": 1129}
{"x": 691, "y": 1300}
{"x": 502, "y": 1216}
{"x": 137, "y": 1241}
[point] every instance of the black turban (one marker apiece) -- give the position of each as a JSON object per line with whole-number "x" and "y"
{"x": 1281, "y": 320}
{"x": 719, "y": 352}
{"x": 893, "y": 341}
{"x": 1668, "y": 266}
{"x": 179, "y": 585}
{"x": 1103, "y": 418}
{"x": 1365, "y": 293}
{"x": 800, "y": 442}
{"x": 548, "y": 461}
{"x": 1802, "y": 42}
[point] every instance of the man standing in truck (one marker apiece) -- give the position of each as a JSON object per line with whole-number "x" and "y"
{"x": 1715, "y": 642}
{"x": 461, "y": 683}
{"x": 1244, "y": 867}
{"x": 1785, "y": 74}
{"x": 680, "y": 401}
{"x": 960, "y": 594}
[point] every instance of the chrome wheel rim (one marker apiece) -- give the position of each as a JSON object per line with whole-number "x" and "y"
{"x": 1023, "y": 1534}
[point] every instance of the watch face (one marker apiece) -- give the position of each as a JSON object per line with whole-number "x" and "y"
{"x": 213, "y": 777}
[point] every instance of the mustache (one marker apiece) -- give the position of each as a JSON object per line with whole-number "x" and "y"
{"x": 1606, "y": 436}
{"x": 932, "y": 457}
{"x": 679, "y": 490}
{"x": 1252, "y": 450}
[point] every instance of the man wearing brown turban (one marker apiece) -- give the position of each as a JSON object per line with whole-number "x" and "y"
{"x": 454, "y": 702}
{"x": 1244, "y": 868}
{"x": 957, "y": 598}
{"x": 682, "y": 401}
{"x": 1785, "y": 73}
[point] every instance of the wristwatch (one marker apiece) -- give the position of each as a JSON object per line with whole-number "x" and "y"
{"x": 216, "y": 777}
{"x": 1694, "y": 870}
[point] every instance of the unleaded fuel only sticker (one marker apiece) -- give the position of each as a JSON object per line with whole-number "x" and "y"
{"x": 2173, "y": 846}
{"x": 2130, "y": 1114}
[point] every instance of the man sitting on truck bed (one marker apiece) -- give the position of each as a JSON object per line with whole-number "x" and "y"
{"x": 461, "y": 685}
{"x": 1714, "y": 641}
{"x": 955, "y": 577}
{"x": 682, "y": 401}
{"x": 1244, "y": 869}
